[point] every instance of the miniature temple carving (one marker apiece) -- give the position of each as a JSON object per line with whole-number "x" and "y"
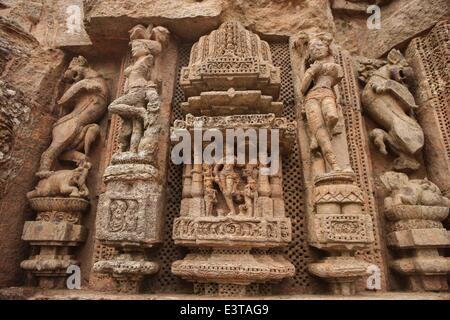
{"x": 387, "y": 100}
{"x": 61, "y": 196}
{"x": 337, "y": 223}
{"x": 130, "y": 211}
{"x": 232, "y": 208}
{"x": 415, "y": 209}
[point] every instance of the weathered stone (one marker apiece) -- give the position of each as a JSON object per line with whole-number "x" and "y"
{"x": 401, "y": 25}
{"x": 418, "y": 200}
{"x": 232, "y": 227}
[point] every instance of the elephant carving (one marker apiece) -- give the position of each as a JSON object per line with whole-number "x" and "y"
{"x": 404, "y": 191}
{"x": 74, "y": 133}
{"x": 63, "y": 183}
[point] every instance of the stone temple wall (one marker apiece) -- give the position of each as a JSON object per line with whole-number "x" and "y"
{"x": 360, "y": 203}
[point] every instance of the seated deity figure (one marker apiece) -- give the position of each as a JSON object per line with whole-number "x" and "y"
{"x": 141, "y": 101}
{"x": 320, "y": 104}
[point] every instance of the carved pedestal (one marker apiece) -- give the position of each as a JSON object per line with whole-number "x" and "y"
{"x": 130, "y": 220}
{"x": 339, "y": 227}
{"x": 54, "y": 234}
{"x": 416, "y": 233}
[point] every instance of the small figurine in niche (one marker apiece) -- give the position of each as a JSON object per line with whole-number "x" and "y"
{"x": 227, "y": 179}
{"x": 389, "y": 103}
{"x": 140, "y": 105}
{"x": 320, "y": 103}
{"x": 210, "y": 194}
{"x": 250, "y": 192}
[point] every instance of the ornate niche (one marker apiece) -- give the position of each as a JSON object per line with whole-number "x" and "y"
{"x": 61, "y": 196}
{"x": 130, "y": 213}
{"x": 232, "y": 212}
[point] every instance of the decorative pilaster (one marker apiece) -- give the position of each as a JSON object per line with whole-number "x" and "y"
{"x": 428, "y": 56}
{"x": 130, "y": 213}
{"x": 61, "y": 196}
{"x": 340, "y": 220}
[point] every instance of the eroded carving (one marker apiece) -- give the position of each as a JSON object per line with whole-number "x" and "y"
{"x": 130, "y": 211}
{"x": 415, "y": 209}
{"x": 139, "y": 107}
{"x": 387, "y": 100}
{"x": 320, "y": 102}
{"x": 60, "y": 197}
{"x": 73, "y": 134}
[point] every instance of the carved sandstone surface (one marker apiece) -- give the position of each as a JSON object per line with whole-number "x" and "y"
{"x": 31, "y": 75}
{"x": 60, "y": 196}
{"x": 428, "y": 56}
{"x": 190, "y": 19}
{"x": 400, "y": 24}
{"x": 230, "y": 210}
{"x": 415, "y": 210}
{"x": 387, "y": 100}
{"x": 130, "y": 214}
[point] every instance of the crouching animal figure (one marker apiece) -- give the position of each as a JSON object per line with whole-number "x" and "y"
{"x": 63, "y": 183}
{"x": 411, "y": 192}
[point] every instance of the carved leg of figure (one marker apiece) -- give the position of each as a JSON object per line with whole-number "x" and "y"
{"x": 136, "y": 135}
{"x": 316, "y": 124}
{"x": 92, "y": 132}
{"x": 249, "y": 206}
{"x": 125, "y": 134}
{"x": 48, "y": 158}
{"x": 329, "y": 111}
{"x": 74, "y": 156}
{"x": 378, "y": 136}
{"x": 70, "y": 190}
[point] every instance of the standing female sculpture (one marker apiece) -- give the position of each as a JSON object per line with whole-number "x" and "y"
{"x": 320, "y": 104}
{"x": 141, "y": 99}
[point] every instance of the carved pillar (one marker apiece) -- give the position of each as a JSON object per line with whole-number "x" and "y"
{"x": 130, "y": 214}
{"x": 341, "y": 216}
{"x": 235, "y": 208}
{"x": 428, "y": 56}
{"x": 61, "y": 196}
{"x": 415, "y": 209}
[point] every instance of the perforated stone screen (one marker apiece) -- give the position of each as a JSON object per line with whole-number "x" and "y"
{"x": 298, "y": 251}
